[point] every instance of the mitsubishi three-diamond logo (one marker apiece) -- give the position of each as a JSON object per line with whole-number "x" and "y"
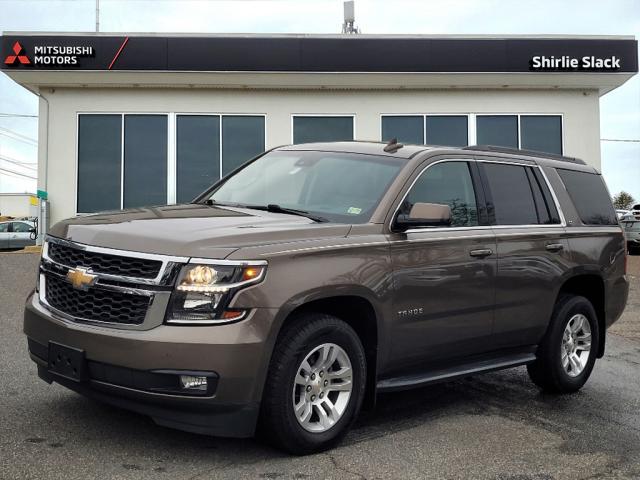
{"x": 17, "y": 50}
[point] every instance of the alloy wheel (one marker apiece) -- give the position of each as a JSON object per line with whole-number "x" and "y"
{"x": 322, "y": 388}
{"x": 576, "y": 345}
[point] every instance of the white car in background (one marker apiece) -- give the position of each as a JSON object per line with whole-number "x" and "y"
{"x": 16, "y": 234}
{"x": 635, "y": 211}
{"x": 624, "y": 214}
{"x": 632, "y": 235}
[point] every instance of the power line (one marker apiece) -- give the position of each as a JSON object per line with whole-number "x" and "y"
{"x": 16, "y": 136}
{"x": 17, "y": 162}
{"x": 629, "y": 140}
{"x": 13, "y": 172}
{"x": 20, "y": 115}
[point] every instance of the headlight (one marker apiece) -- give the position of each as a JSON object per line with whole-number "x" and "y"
{"x": 204, "y": 290}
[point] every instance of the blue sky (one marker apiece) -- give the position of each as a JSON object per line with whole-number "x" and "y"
{"x": 620, "y": 109}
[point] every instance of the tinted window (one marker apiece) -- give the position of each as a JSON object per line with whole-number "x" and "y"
{"x": 4, "y": 227}
{"x": 511, "y": 194}
{"x": 20, "y": 227}
{"x": 446, "y": 183}
{"x": 242, "y": 139}
{"x": 542, "y": 133}
{"x": 197, "y": 154}
{"x": 447, "y": 130}
{"x": 145, "y": 160}
{"x": 99, "y": 162}
{"x": 499, "y": 130}
{"x": 322, "y": 129}
{"x": 590, "y": 197}
{"x": 407, "y": 129}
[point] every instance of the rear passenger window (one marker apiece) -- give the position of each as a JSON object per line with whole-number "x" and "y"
{"x": 590, "y": 197}
{"x": 447, "y": 183}
{"x": 511, "y": 194}
{"x": 4, "y": 227}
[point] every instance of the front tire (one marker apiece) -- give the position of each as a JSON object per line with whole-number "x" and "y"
{"x": 315, "y": 384}
{"x": 567, "y": 354}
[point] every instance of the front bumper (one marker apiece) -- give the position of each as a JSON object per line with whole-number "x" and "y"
{"x": 123, "y": 362}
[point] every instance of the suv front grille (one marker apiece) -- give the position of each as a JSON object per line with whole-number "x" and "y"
{"x": 104, "y": 263}
{"x": 95, "y": 304}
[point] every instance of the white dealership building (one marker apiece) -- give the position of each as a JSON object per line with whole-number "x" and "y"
{"x": 127, "y": 121}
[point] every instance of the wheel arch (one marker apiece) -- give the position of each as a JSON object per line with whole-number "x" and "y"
{"x": 355, "y": 305}
{"x": 590, "y": 285}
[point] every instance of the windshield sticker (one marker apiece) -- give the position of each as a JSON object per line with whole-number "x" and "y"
{"x": 354, "y": 210}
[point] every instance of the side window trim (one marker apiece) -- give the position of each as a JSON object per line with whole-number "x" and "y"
{"x": 537, "y": 169}
{"x": 479, "y": 194}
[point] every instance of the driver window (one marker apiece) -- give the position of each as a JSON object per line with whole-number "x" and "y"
{"x": 447, "y": 183}
{"x": 19, "y": 227}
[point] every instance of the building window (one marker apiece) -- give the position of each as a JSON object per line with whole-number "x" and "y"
{"x": 450, "y": 130}
{"x": 145, "y": 160}
{"x": 542, "y": 133}
{"x": 124, "y": 160}
{"x": 197, "y": 154}
{"x": 99, "y": 162}
{"x": 407, "y": 129}
{"x": 498, "y": 130}
{"x": 307, "y": 129}
{"x": 427, "y": 129}
{"x": 242, "y": 139}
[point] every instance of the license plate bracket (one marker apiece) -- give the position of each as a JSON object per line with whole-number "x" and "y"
{"x": 68, "y": 362}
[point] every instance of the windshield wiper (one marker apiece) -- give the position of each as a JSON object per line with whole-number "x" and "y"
{"x": 272, "y": 207}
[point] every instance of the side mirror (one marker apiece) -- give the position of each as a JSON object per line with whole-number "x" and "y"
{"x": 424, "y": 215}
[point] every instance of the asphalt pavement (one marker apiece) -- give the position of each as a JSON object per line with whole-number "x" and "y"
{"x": 493, "y": 426}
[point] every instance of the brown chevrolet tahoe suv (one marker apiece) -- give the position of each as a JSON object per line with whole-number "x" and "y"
{"x": 290, "y": 293}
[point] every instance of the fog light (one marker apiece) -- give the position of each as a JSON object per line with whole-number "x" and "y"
{"x": 191, "y": 382}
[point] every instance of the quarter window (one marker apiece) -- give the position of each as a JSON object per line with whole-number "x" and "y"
{"x": 447, "y": 183}
{"x": 590, "y": 197}
{"x": 322, "y": 129}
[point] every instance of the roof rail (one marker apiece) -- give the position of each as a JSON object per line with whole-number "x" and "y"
{"x": 524, "y": 153}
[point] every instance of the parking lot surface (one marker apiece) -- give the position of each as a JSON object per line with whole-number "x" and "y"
{"x": 493, "y": 426}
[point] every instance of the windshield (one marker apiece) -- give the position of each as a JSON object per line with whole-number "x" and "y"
{"x": 340, "y": 187}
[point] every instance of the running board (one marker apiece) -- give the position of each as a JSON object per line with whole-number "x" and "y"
{"x": 443, "y": 374}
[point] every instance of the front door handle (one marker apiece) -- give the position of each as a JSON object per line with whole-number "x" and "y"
{"x": 481, "y": 252}
{"x": 554, "y": 247}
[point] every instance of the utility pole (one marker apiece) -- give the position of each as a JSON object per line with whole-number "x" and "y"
{"x": 97, "y": 16}
{"x": 349, "y": 25}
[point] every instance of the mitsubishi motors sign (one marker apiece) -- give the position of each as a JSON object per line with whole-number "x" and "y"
{"x": 49, "y": 55}
{"x": 326, "y": 53}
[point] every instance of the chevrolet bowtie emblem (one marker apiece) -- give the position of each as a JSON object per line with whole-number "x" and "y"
{"x": 80, "y": 278}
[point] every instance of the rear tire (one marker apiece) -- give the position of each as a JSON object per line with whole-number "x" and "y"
{"x": 563, "y": 362}
{"x": 310, "y": 397}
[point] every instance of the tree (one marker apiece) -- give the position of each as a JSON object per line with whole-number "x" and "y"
{"x": 623, "y": 200}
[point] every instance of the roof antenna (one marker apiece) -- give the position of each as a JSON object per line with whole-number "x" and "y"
{"x": 393, "y": 146}
{"x": 349, "y": 25}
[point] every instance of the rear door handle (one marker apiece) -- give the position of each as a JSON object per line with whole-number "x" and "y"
{"x": 554, "y": 247}
{"x": 481, "y": 252}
